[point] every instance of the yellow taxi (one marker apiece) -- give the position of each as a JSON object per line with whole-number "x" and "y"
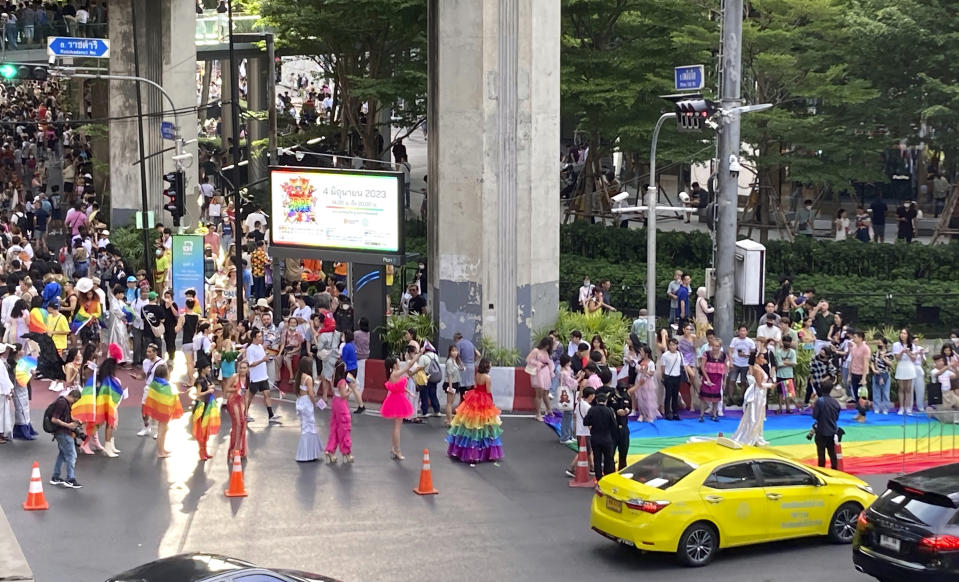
{"x": 696, "y": 498}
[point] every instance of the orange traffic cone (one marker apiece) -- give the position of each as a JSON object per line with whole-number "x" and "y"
{"x": 35, "y": 499}
{"x": 237, "y": 489}
{"x": 582, "y": 478}
{"x": 838, "y": 454}
{"x": 426, "y": 477}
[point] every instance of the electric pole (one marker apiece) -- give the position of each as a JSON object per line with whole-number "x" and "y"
{"x": 727, "y": 197}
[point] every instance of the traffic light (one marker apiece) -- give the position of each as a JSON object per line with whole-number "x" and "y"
{"x": 11, "y": 72}
{"x": 691, "y": 114}
{"x": 174, "y": 195}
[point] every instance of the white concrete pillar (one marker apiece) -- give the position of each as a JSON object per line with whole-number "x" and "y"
{"x": 494, "y": 167}
{"x": 165, "y": 32}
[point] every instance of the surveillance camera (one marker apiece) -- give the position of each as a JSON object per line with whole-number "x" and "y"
{"x": 734, "y": 167}
{"x": 621, "y": 196}
{"x": 684, "y": 197}
{"x": 52, "y": 60}
{"x": 299, "y": 156}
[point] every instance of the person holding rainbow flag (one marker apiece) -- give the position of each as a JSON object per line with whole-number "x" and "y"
{"x": 89, "y": 314}
{"x": 206, "y": 410}
{"x": 162, "y": 405}
{"x": 23, "y": 362}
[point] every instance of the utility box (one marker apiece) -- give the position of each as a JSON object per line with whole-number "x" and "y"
{"x": 750, "y": 272}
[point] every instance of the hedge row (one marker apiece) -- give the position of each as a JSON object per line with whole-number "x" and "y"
{"x": 801, "y": 257}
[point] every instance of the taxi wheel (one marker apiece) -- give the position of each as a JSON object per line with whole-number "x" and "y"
{"x": 842, "y": 526}
{"x": 698, "y": 545}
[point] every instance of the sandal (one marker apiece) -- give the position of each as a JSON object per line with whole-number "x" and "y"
{"x": 330, "y": 459}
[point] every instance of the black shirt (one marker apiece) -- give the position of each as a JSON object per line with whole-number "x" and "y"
{"x": 878, "y": 212}
{"x": 620, "y": 400}
{"x": 61, "y": 410}
{"x": 826, "y": 413}
{"x": 171, "y": 316}
{"x": 418, "y": 304}
{"x": 152, "y": 316}
{"x": 190, "y": 321}
{"x": 602, "y": 425}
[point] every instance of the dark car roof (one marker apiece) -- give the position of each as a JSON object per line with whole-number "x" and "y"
{"x": 182, "y": 568}
{"x": 943, "y": 480}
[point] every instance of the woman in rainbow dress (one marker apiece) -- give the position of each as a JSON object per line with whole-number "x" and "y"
{"x": 475, "y": 433}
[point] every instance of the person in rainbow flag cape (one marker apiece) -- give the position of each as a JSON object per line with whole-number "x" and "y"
{"x": 121, "y": 315}
{"x": 22, "y": 361}
{"x": 162, "y": 404}
{"x": 43, "y": 323}
{"x": 89, "y": 314}
{"x": 99, "y": 405}
{"x": 206, "y": 410}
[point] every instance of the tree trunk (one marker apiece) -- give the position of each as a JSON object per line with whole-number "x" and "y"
{"x": 205, "y": 92}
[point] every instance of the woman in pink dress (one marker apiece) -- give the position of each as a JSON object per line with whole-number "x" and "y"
{"x": 644, "y": 389}
{"x": 396, "y": 405}
{"x": 715, "y": 368}
{"x": 539, "y": 366}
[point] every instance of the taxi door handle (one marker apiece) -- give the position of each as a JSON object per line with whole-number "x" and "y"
{"x": 774, "y": 496}
{"x": 713, "y": 498}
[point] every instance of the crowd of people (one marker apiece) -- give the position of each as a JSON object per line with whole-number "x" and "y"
{"x": 798, "y": 353}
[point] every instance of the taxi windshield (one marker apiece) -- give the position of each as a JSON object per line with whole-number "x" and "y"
{"x": 658, "y": 470}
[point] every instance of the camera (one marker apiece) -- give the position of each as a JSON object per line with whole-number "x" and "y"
{"x": 79, "y": 434}
{"x": 811, "y": 433}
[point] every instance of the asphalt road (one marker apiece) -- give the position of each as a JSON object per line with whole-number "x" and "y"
{"x": 517, "y": 520}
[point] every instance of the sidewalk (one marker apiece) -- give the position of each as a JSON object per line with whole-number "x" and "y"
{"x": 13, "y": 565}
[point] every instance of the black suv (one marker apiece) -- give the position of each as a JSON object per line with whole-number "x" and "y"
{"x": 911, "y": 532}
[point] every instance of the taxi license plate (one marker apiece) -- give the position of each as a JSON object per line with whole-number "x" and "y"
{"x": 889, "y": 543}
{"x": 614, "y": 505}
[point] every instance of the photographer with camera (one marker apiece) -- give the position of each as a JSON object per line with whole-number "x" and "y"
{"x": 826, "y": 414}
{"x": 64, "y": 429}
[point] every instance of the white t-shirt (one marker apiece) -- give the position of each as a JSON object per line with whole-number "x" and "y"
{"x": 768, "y": 332}
{"x": 744, "y": 345}
{"x": 582, "y": 407}
{"x": 252, "y": 219}
{"x": 207, "y": 190}
{"x": 255, "y": 353}
{"x": 672, "y": 363}
{"x": 945, "y": 379}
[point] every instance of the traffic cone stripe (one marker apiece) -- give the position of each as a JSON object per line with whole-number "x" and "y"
{"x": 237, "y": 489}
{"x": 582, "y": 478}
{"x": 35, "y": 498}
{"x": 425, "y": 486}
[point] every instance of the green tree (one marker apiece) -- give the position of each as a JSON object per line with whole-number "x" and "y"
{"x": 617, "y": 59}
{"x": 795, "y": 56}
{"x": 373, "y": 50}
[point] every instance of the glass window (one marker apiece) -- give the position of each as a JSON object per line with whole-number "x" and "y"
{"x": 777, "y": 474}
{"x": 735, "y": 476}
{"x": 658, "y": 470}
{"x": 908, "y": 508}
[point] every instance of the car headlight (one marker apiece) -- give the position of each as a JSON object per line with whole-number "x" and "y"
{"x": 867, "y": 489}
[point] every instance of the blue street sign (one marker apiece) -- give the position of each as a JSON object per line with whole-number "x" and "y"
{"x": 167, "y": 131}
{"x": 64, "y": 46}
{"x": 690, "y": 78}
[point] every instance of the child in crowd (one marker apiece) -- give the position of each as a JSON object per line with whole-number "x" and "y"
{"x": 566, "y": 398}
{"x": 582, "y": 409}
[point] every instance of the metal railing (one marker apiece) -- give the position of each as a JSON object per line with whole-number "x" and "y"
{"x": 18, "y": 37}
{"x": 212, "y": 27}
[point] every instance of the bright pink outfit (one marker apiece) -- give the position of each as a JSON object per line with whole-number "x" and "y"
{"x": 396, "y": 404}
{"x": 340, "y": 426}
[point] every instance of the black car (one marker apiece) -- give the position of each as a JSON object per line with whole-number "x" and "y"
{"x": 211, "y": 568}
{"x": 911, "y": 532}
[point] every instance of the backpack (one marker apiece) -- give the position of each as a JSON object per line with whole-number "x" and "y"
{"x": 435, "y": 374}
{"x": 48, "y": 425}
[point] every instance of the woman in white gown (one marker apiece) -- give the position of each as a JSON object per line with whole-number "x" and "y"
{"x": 6, "y": 401}
{"x": 750, "y": 431}
{"x": 117, "y": 332}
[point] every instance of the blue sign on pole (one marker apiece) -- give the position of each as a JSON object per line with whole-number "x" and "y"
{"x": 188, "y": 269}
{"x": 690, "y": 78}
{"x": 167, "y": 131}
{"x": 65, "y": 46}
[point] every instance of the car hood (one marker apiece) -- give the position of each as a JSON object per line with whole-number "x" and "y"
{"x": 834, "y": 477}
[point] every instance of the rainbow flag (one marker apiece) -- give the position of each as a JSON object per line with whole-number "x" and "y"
{"x": 127, "y": 313}
{"x": 109, "y": 395}
{"x": 24, "y": 370}
{"x": 84, "y": 315}
{"x": 206, "y": 418}
{"x": 37, "y": 321}
{"x": 163, "y": 401}
{"x": 85, "y": 409}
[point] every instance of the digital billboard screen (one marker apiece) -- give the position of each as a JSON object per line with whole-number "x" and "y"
{"x": 341, "y": 210}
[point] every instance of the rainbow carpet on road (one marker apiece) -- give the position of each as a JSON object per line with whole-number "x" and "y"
{"x": 883, "y": 444}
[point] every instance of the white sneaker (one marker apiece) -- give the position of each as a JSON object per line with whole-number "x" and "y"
{"x": 901, "y": 412}
{"x": 144, "y": 431}
{"x": 275, "y": 419}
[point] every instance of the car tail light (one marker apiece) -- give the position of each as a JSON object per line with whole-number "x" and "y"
{"x": 598, "y": 491}
{"x": 647, "y": 506}
{"x": 863, "y": 522}
{"x": 945, "y": 543}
